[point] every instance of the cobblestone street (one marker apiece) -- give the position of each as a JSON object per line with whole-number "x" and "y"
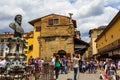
{"x": 81, "y": 76}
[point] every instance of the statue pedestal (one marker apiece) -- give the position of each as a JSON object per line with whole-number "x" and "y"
{"x": 16, "y": 57}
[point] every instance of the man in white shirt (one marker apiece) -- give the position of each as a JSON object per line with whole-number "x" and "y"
{"x": 75, "y": 64}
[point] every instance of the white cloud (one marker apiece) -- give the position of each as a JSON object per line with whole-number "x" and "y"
{"x": 6, "y": 9}
{"x": 88, "y": 13}
{"x": 107, "y": 2}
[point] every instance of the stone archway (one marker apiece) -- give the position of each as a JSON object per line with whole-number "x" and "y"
{"x": 61, "y": 53}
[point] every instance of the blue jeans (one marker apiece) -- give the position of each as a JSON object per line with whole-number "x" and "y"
{"x": 75, "y": 72}
{"x": 64, "y": 69}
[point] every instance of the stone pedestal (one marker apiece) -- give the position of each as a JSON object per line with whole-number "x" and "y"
{"x": 16, "y": 57}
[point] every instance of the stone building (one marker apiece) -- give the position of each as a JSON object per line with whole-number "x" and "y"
{"x": 93, "y": 34}
{"x": 108, "y": 42}
{"x": 54, "y": 34}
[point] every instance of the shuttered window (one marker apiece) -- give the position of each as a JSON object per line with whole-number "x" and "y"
{"x": 53, "y": 21}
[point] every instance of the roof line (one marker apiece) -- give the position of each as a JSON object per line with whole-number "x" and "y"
{"x": 34, "y": 20}
{"x": 109, "y": 25}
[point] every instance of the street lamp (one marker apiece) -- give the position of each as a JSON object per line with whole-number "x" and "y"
{"x": 70, "y": 14}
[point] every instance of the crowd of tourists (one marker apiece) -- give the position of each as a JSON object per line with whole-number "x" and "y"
{"x": 66, "y": 64}
{"x": 108, "y": 67}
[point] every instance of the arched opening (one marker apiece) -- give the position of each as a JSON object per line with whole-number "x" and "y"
{"x": 61, "y": 53}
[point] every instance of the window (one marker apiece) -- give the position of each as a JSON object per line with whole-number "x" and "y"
{"x": 53, "y": 21}
{"x": 50, "y": 22}
{"x": 56, "y": 21}
{"x": 38, "y": 29}
{"x": 31, "y": 47}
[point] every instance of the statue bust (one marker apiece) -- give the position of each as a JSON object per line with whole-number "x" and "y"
{"x": 16, "y": 26}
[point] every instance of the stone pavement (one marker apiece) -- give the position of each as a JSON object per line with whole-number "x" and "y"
{"x": 81, "y": 76}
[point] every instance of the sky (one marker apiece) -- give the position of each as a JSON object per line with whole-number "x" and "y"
{"x": 89, "y": 14}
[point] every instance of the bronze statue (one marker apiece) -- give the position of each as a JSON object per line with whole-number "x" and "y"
{"x": 16, "y": 26}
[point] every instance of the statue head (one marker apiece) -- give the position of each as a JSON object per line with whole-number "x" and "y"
{"x": 18, "y": 19}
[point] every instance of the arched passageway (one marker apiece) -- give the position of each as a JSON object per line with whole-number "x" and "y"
{"x": 61, "y": 53}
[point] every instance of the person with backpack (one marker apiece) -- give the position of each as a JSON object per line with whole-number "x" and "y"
{"x": 110, "y": 70}
{"x": 57, "y": 66}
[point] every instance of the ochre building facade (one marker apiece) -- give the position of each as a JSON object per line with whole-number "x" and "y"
{"x": 108, "y": 43}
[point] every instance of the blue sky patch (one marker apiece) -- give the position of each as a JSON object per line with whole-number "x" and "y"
{"x": 72, "y": 1}
{"x": 114, "y": 5}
